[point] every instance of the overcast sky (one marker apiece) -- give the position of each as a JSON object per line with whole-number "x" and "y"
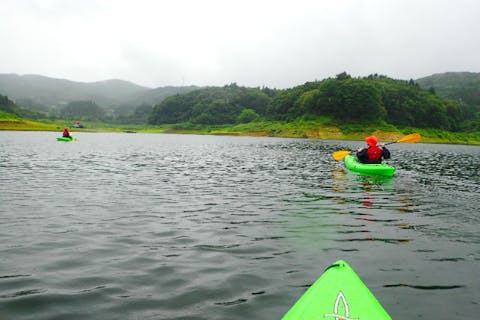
{"x": 279, "y": 44}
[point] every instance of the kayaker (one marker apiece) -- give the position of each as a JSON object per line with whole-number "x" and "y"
{"x": 372, "y": 154}
{"x": 66, "y": 134}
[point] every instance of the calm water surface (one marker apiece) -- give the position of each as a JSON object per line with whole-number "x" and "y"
{"x": 150, "y": 226}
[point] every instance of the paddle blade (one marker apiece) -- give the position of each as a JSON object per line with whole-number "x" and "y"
{"x": 339, "y": 155}
{"x": 411, "y": 138}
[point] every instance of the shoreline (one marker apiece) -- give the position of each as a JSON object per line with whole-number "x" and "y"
{"x": 282, "y": 130}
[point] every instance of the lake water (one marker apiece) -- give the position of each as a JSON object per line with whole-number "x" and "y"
{"x": 157, "y": 226}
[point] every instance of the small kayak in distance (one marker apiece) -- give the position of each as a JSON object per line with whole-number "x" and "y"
{"x": 382, "y": 169}
{"x": 338, "y": 294}
{"x": 66, "y": 139}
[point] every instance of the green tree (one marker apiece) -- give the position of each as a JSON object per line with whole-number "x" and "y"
{"x": 343, "y": 76}
{"x": 211, "y": 105}
{"x": 8, "y": 105}
{"x": 247, "y": 115}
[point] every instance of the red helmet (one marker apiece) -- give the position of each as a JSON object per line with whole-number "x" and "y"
{"x": 371, "y": 141}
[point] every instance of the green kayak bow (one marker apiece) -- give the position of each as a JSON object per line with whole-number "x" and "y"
{"x": 339, "y": 294}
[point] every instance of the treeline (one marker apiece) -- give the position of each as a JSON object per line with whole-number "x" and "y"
{"x": 370, "y": 99}
{"x": 461, "y": 87}
{"x": 214, "y": 105}
{"x": 7, "y": 105}
{"x": 344, "y": 99}
{"x": 89, "y": 111}
{"x": 76, "y": 110}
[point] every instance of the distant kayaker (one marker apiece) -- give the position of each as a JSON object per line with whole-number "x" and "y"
{"x": 66, "y": 134}
{"x": 373, "y": 153}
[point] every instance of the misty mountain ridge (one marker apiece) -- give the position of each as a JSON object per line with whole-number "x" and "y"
{"x": 43, "y": 93}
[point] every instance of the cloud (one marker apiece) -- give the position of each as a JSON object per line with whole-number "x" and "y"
{"x": 212, "y": 42}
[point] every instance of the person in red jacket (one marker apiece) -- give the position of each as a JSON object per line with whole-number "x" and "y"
{"x": 66, "y": 134}
{"x": 372, "y": 154}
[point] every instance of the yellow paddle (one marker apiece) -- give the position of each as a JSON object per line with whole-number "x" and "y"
{"x": 411, "y": 138}
{"x": 339, "y": 155}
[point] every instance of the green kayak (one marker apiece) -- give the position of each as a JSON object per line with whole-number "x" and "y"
{"x": 338, "y": 294}
{"x": 66, "y": 139}
{"x": 379, "y": 169}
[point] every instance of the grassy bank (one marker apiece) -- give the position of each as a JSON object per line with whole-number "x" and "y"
{"x": 324, "y": 129}
{"x": 10, "y": 121}
{"x": 313, "y": 129}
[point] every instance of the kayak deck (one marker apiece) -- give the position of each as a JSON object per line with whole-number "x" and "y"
{"x": 338, "y": 294}
{"x": 382, "y": 169}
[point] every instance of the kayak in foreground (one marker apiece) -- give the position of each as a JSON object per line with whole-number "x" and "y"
{"x": 382, "y": 169}
{"x": 338, "y": 294}
{"x": 66, "y": 139}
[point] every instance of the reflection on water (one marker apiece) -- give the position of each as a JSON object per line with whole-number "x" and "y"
{"x": 367, "y": 202}
{"x": 204, "y": 227}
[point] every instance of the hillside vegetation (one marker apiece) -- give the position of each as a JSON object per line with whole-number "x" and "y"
{"x": 346, "y": 100}
{"x": 458, "y": 86}
{"x": 335, "y": 108}
{"x": 461, "y": 87}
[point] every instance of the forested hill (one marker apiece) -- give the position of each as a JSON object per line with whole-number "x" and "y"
{"x": 214, "y": 105}
{"x": 458, "y": 86}
{"x": 461, "y": 87}
{"x": 371, "y": 99}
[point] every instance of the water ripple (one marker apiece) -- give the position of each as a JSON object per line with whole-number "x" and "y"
{"x": 429, "y": 287}
{"x": 151, "y": 226}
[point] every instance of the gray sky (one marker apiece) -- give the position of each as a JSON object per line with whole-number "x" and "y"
{"x": 277, "y": 43}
